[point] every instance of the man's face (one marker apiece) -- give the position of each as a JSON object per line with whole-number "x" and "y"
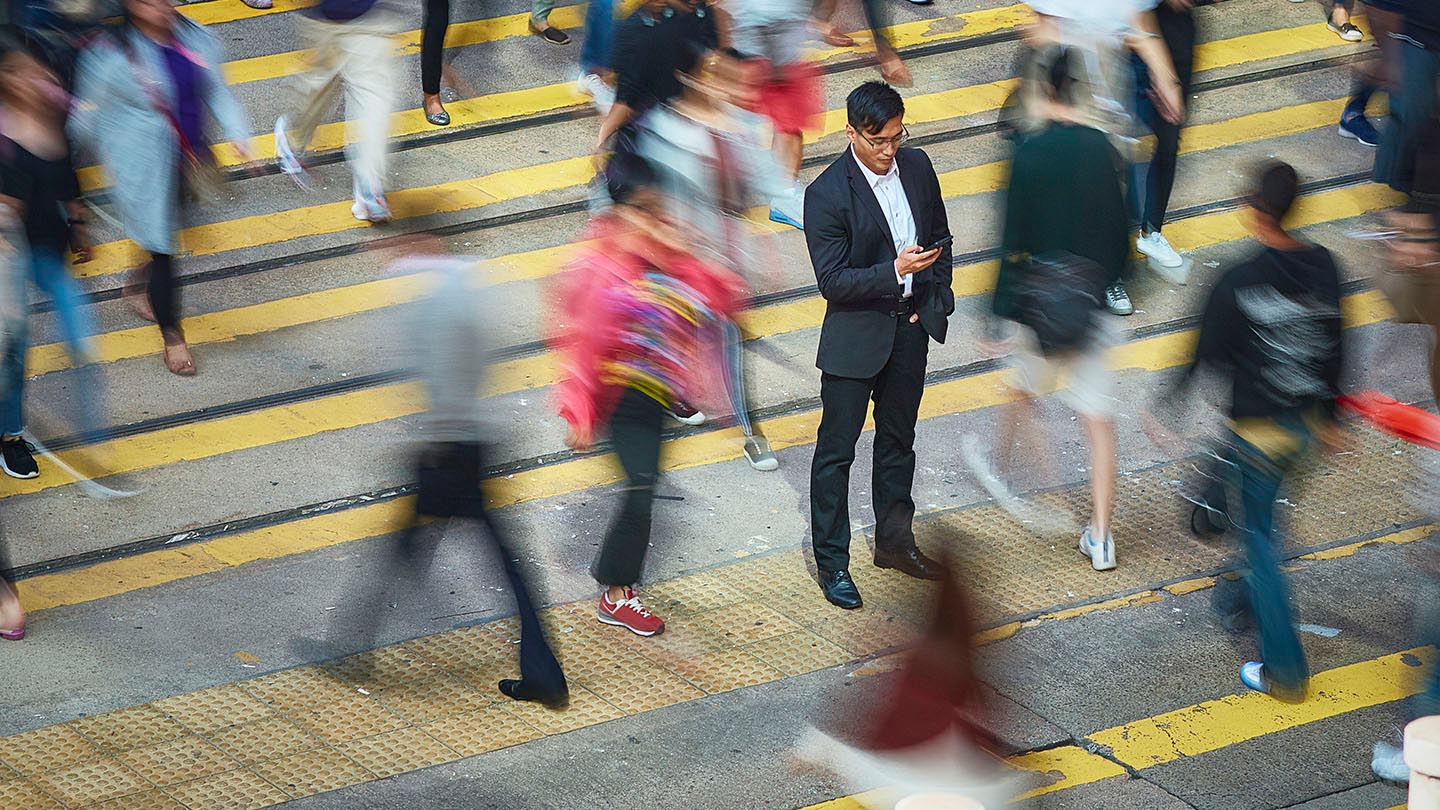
{"x": 876, "y": 150}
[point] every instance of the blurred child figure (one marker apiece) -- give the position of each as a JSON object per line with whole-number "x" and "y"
{"x": 634, "y": 310}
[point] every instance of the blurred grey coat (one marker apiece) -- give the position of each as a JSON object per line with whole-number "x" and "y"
{"x": 115, "y": 119}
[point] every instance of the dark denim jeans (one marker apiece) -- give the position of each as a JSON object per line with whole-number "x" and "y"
{"x": 1261, "y": 472}
{"x": 599, "y": 35}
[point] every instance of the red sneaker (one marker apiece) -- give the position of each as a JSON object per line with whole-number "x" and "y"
{"x": 629, "y": 614}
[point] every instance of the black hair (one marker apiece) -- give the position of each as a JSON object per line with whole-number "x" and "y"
{"x": 626, "y": 173}
{"x": 1274, "y": 187}
{"x": 871, "y": 105}
{"x": 1059, "y": 78}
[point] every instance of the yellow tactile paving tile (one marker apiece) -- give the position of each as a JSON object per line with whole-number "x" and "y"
{"x": 433, "y": 700}
{"x": 474, "y": 193}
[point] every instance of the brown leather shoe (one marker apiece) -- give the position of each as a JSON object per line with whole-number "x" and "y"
{"x": 910, "y": 561}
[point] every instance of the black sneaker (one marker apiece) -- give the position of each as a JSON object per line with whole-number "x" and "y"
{"x": 550, "y": 34}
{"x": 17, "y": 458}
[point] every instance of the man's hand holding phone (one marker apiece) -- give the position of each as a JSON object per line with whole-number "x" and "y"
{"x": 913, "y": 259}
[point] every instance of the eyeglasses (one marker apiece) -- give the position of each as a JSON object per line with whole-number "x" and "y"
{"x": 880, "y": 144}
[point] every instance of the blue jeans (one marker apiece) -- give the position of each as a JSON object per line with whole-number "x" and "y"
{"x": 1261, "y": 472}
{"x": 49, "y": 272}
{"x": 599, "y": 33}
{"x": 1411, "y": 107}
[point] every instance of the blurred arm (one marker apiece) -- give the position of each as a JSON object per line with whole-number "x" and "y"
{"x": 217, "y": 95}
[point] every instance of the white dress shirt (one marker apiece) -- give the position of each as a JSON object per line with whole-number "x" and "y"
{"x": 891, "y": 196}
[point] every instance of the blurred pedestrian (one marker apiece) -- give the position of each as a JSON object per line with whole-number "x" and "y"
{"x": 540, "y": 23}
{"x": 37, "y": 179}
{"x": 434, "y": 23}
{"x": 650, "y": 46}
{"x": 714, "y": 167}
{"x": 350, "y": 47}
{"x": 450, "y": 348}
{"x": 877, "y": 20}
{"x": 1272, "y": 329}
{"x": 1386, "y": 18}
{"x": 596, "y": 75}
{"x": 1103, "y": 36}
{"x": 1413, "y": 97}
{"x": 770, "y": 35}
{"x": 1065, "y": 242}
{"x": 142, "y": 94}
{"x": 879, "y": 241}
{"x": 1154, "y": 180}
{"x": 12, "y": 321}
{"x": 633, "y": 311}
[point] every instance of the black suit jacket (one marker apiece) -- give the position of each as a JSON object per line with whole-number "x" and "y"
{"x": 854, "y": 258}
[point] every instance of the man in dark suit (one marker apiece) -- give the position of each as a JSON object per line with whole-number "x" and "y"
{"x": 869, "y": 220}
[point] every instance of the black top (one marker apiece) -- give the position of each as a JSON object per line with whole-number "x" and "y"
{"x": 853, "y": 254}
{"x": 1422, "y": 22}
{"x": 1065, "y": 196}
{"x": 648, "y": 50}
{"x": 43, "y": 187}
{"x": 1273, "y": 324}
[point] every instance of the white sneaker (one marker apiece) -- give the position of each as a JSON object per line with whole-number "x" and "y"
{"x": 1100, "y": 552}
{"x": 285, "y": 157}
{"x": 1388, "y": 762}
{"x": 599, "y": 92}
{"x": 1159, "y": 251}
{"x": 368, "y": 208}
{"x": 789, "y": 208}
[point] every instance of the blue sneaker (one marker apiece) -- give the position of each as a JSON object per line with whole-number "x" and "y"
{"x": 776, "y": 215}
{"x": 789, "y": 208}
{"x": 1252, "y": 674}
{"x": 1357, "y": 127}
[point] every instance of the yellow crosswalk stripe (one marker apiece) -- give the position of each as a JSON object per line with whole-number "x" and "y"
{"x": 369, "y": 296}
{"x": 271, "y": 426}
{"x": 1210, "y": 726}
{"x": 928, "y": 107}
{"x": 215, "y": 12}
{"x": 369, "y": 406}
{"x": 1216, "y": 724}
{"x": 535, "y": 100}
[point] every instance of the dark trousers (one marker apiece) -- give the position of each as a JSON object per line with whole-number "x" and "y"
{"x": 164, "y": 292}
{"x": 450, "y": 488}
{"x": 635, "y": 438}
{"x": 896, "y": 391}
{"x": 432, "y": 43}
{"x": 1153, "y": 185}
{"x": 1412, "y": 105}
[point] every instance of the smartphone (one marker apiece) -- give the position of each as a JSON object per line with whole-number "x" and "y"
{"x": 940, "y": 243}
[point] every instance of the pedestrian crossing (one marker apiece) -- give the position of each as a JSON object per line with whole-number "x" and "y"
{"x": 376, "y": 737}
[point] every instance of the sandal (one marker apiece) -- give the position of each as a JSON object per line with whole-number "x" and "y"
{"x": 894, "y": 72}
{"x": 136, "y": 295}
{"x": 837, "y": 39}
{"x": 13, "y": 635}
{"x": 178, "y": 359}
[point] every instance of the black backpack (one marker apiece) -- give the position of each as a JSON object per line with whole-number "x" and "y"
{"x": 1058, "y": 296}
